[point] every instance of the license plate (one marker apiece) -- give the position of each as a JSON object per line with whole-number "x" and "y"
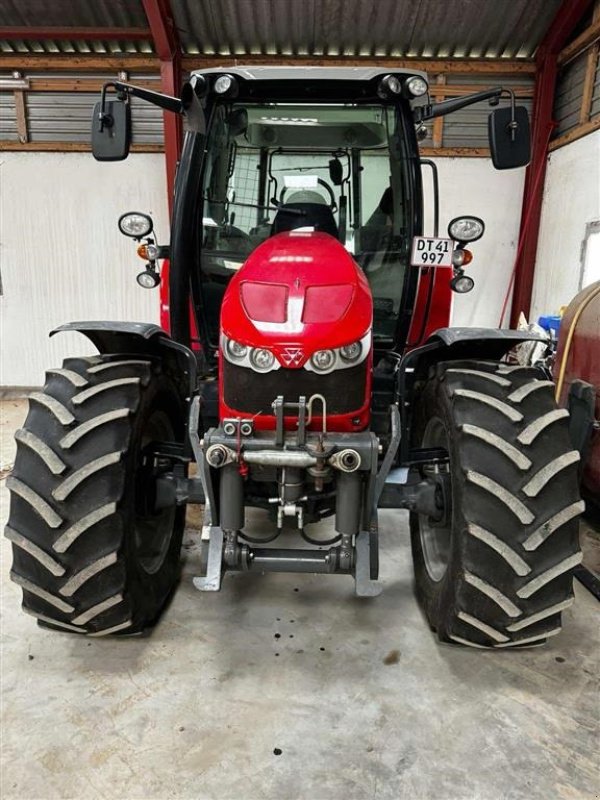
{"x": 429, "y": 252}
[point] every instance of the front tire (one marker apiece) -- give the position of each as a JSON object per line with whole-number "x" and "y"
{"x": 499, "y": 573}
{"x": 89, "y": 551}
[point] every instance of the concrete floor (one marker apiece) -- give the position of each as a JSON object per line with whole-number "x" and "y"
{"x": 358, "y": 696}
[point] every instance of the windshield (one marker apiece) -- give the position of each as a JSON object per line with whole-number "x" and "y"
{"x": 340, "y": 169}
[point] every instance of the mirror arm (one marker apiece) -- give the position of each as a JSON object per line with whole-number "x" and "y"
{"x": 513, "y": 124}
{"x": 156, "y": 98}
{"x": 431, "y": 111}
{"x": 127, "y": 89}
{"x": 104, "y": 118}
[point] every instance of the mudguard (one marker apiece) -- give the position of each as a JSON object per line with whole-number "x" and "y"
{"x": 449, "y": 344}
{"x": 141, "y": 338}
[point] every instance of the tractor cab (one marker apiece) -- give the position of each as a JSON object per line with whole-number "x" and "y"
{"x": 274, "y": 150}
{"x": 338, "y": 169}
{"x": 314, "y": 151}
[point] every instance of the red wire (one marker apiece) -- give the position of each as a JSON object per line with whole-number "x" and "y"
{"x": 525, "y": 225}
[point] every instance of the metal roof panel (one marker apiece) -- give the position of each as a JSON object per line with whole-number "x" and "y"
{"x": 354, "y": 28}
{"x": 272, "y": 73}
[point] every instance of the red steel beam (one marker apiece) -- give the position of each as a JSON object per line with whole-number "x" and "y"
{"x": 567, "y": 17}
{"x": 166, "y": 44}
{"x": 35, "y": 34}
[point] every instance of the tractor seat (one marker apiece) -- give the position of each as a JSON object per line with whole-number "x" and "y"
{"x": 291, "y": 215}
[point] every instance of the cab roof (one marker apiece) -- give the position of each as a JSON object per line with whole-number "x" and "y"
{"x": 303, "y": 73}
{"x": 304, "y": 84}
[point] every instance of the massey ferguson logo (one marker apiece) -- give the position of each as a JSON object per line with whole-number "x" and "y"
{"x": 292, "y": 356}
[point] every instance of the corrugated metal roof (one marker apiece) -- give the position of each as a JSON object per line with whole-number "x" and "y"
{"x": 76, "y": 14}
{"x": 419, "y": 28}
{"x": 380, "y": 28}
{"x": 114, "y": 47}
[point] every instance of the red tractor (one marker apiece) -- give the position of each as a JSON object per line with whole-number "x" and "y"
{"x": 309, "y": 372}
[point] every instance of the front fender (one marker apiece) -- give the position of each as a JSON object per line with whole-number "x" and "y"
{"x": 479, "y": 342}
{"x": 449, "y": 344}
{"x": 141, "y": 338}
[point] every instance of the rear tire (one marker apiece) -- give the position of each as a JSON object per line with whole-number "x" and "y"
{"x": 500, "y": 574}
{"x": 90, "y": 554}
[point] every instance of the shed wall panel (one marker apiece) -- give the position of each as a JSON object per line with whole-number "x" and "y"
{"x": 571, "y": 201}
{"x": 63, "y": 258}
{"x": 568, "y": 95}
{"x": 595, "y": 110}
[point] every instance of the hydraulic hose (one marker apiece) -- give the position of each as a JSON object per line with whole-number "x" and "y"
{"x": 563, "y": 365}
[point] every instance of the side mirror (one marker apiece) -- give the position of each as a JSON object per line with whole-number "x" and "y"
{"x": 508, "y": 133}
{"x": 336, "y": 172}
{"x": 111, "y": 130}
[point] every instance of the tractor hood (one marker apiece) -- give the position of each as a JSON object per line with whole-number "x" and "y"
{"x": 298, "y": 292}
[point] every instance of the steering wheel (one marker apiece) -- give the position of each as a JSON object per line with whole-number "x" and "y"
{"x": 321, "y": 182}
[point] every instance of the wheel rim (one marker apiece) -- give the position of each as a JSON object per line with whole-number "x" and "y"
{"x": 152, "y": 529}
{"x": 435, "y": 539}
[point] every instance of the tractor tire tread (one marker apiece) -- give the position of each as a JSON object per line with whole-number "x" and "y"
{"x": 66, "y": 522}
{"x": 510, "y": 578}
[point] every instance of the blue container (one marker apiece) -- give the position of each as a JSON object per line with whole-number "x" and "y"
{"x": 550, "y": 324}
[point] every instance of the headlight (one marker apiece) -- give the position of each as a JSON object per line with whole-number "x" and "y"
{"x": 344, "y": 357}
{"x": 417, "y": 86}
{"x": 351, "y": 352}
{"x": 389, "y": 85}
{"x": 262, "y": 360}
{"x": 148, "y": 280}
{"x": 135, "y": 224}
{"x": 462, "y": 284}
{"x": 323, "y": 360}
{"x": 236, "y": 350}
{"x": 466, "y": 229}
{"x": 226, "y": 84}
{"x": 258, "y": 359}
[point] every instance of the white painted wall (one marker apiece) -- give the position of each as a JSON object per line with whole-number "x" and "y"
{"x": 473, "y": 186}
{"x": 62, "y": 257}
{"x": 571, "y": 200}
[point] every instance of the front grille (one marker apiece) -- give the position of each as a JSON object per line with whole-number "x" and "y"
{"x": 253, "y": 392}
